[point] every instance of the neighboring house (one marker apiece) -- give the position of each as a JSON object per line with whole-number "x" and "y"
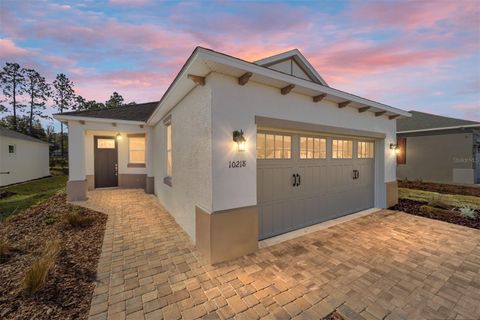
{"x": 22, "y": 157}
{"x": 438, "y": 149}
{"x": 303, "y": 152}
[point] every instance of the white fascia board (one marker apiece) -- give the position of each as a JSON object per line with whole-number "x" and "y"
{"x": 64, "y": 118}
{"x": 256, "y": 69}
{"x": 441, "y": 128}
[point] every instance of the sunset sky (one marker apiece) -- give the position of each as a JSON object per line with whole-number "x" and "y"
{"x": 421, "y": 55}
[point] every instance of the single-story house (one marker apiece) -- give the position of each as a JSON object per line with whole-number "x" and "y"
{"x": 240, "y": 151}
{"x": 438, "y": 149}
{"x": 22, "y": 157}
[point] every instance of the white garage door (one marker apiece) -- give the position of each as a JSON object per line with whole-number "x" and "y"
{"x": 304, "y": 179}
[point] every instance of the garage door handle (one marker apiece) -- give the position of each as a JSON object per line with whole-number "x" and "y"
{"x": 294, "y": 179}
{"x": 299, "y": 181}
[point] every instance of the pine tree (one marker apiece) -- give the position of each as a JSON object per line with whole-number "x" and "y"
{"x": 12, "y": 81}
{"x": 38, "y": 92}
{"x": 116, "y": 100}
{"x": 64, "y": 97}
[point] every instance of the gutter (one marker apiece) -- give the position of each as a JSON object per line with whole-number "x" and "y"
{"x": 442, "y": 128}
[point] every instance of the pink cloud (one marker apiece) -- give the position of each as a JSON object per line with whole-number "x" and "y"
{"x": 9, "y": 51}
{"x": 129, "y": 2}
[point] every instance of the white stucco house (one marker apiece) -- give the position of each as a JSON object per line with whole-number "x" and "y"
{"x": 22, "y": 157}
{"x": 241, "y": 151}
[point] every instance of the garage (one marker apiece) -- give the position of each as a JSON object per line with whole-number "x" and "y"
{"x": 307, "y": 178}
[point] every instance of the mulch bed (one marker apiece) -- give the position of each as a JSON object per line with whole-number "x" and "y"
{"x": 69, "y": 288}
{"x": 413, "y": 207}
{"x": 440, "y": 187}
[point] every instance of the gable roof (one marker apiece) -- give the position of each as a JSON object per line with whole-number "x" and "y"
{"x": 299, "y": 58}
{"x": 204, "y": 61}
{"x": 4, "y": 132}
{"x": 133, "y": 112}
{"x": 425, "y": 121}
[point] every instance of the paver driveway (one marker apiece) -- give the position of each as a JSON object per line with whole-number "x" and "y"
{"x": 386, "y": 265}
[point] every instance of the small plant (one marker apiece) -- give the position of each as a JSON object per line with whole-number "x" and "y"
{"x": 49, "y": 219}
{"x": 79, "y": 220}
{"x": 468, "y": 212}
{"x": 438, "y": 202}
{"x": 4, "y": 248}
{"x": 36, "y": 277}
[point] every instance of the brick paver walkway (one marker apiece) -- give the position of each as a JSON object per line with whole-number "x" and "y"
{"x": 387, "y": 265}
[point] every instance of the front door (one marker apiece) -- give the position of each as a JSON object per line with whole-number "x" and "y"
{"x": 105, "y": 162}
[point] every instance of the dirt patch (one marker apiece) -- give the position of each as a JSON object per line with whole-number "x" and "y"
{"x": 6, "y": 194}
{"x": 414, "y": 207}
{"x": 69, "y": 288}
{"x": 440, "y": 187}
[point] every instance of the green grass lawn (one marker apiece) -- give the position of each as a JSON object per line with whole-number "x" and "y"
{"x": 30, "y": 193}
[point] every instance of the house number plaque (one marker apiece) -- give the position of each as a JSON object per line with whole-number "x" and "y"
{"x": 237, "y": 164}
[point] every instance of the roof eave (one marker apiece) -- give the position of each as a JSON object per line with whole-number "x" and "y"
{"x": 441, "y": 128}
{"x": 66, "y": 118}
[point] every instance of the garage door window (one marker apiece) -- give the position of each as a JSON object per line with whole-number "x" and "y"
{"x": 342, "y": 149}
{"x": 313, "y": 148}
{"x": 364, "y": 150}
{"x": 273, "y": 146}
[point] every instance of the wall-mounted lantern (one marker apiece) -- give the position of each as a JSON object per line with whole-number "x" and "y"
{"x": 119, "y": 136}
{"x": 394, "y": 147}
{"x": 239, "y": 139}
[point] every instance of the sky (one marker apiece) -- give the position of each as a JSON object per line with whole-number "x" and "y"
{"x": 413, "y": 55}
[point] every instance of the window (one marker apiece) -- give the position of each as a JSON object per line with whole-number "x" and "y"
{"x": 106, "y": 143}
{"x": 11, "y": 148}
{"x": 136, "y": 150}
{"x": 273, "y": 146}
{"x": 313, "y": 148}
{"x": 401, "y": 150}
{"x": 342, "y": 149}
{"x": 364, "y": 150}
{"x": 169, "y": 149}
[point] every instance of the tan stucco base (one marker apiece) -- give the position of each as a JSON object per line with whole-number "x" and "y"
{"x": 226, "y": 235}
{"x": 150, "y": 185}
{"x": 392, "y": 193}
{"x": 90, "y": 182}
{"x": 77, "y": 190}
{"x": 132, "y": 181}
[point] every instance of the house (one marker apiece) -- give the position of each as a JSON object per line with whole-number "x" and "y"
{"x": 438, "y": 149}
{"x": 22, "y": 157}
{"x": 239, "y": 151}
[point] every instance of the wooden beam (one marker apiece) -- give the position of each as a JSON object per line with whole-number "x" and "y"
{"x": 319, "y": 97}
{"x": 361, "y": 110}
{"x": 82, "y": 121}
{"x": 344, "y": 104}
{"x": 287, "y": 89}
{"x": 380, "y": 113}
{"x": 114, "y": 124}
{"x": 197, "y": 79}
{"x": 244, "y": 78}
{"x": 393, "y": 117}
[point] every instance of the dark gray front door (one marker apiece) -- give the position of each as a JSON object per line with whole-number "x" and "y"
{"x": 105, "y": 162}
{"x": 325, "y": 189}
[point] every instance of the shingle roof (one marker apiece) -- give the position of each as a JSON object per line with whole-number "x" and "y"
{"x": 134, "y": 112}
{"x": 422, "y": 120}
{"x": 4, "y": 132}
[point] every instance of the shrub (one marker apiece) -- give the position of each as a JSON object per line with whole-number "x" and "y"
{"x": 36, "y": 276}
{"x": 467, "y": 212}
{"x": 79, "y": 220}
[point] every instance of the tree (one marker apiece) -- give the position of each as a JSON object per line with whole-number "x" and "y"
{"x": 23, "y": 126}
{"x": 12, "y": 81}
{"x": 83, "y": 104}
{"x": 64, "y": 97}
{"x": 38, "y": 91}
{"x": 116, "y": 100}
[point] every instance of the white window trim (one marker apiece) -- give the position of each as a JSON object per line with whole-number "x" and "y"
{"x": 168, "y": 173}
{"x": 130, "y": 162}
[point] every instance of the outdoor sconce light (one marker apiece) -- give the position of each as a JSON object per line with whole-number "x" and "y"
{"x": 394, "y": 147}
{"x": 239, "y": 139}
{"x": 119, "y": 136}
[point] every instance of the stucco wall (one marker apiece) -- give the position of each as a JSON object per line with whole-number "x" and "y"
{"x": 30, "y": 161}
{"x": 234, "y": 107}
{"x": 192, "y": 159}
{"x": 438, "y": 158}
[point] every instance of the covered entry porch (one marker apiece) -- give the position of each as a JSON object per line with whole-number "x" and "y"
{"x": 108, "y": 154}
